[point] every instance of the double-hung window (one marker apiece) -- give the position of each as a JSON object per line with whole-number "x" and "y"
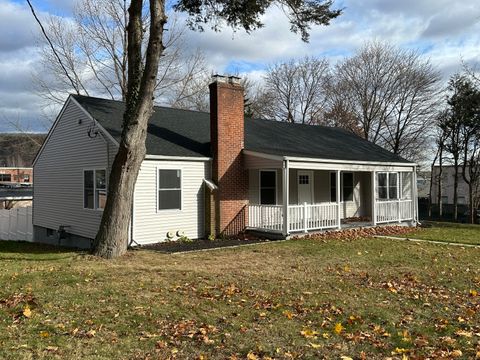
{"x": 169, "y": 189}
{"x": 387, "y": 185}
{"x": 346, "y": 186}
{"x": 268, "y": 187}
{"x": 94, "y": 189}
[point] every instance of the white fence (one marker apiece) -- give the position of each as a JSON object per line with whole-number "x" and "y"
{"x": 16, "y": 224}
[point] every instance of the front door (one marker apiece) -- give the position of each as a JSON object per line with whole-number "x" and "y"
{"x": 305, "y": 186}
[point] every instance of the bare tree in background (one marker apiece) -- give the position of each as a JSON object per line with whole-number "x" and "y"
{"x": 93, "y": 50}
{"x": 389, "y": 96}
{"x": 294, "y": 91}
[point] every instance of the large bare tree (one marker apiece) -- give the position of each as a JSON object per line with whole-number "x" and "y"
{"x": 111, "y": 240}
{"x": 388, "y": 94}
{"x": 89, "y": 55}
{"x": 294, "y": 91}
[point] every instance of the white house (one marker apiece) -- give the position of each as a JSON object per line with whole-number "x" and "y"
{"x": 215, "y": 173}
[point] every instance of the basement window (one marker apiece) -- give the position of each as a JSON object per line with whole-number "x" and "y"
{"x": 94, "y": 189}
{"x": 169, "y": 189}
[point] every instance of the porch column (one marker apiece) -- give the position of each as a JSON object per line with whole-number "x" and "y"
{"x": 285, "y": 195}
{"x": 374, "y": 205}
{"x": 399, "y": 195}
{"x": 339, "y": 221}
{"x": 414, "y": 195}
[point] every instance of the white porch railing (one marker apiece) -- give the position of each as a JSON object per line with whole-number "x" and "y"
{"x": 312, "y": 217}
{"x": 301, "y": 217}
{"x": 268, "y": 217}
{"x": 394, "y": 210}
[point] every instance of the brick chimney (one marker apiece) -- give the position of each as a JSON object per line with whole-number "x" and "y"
{"x": 227, "y": 142}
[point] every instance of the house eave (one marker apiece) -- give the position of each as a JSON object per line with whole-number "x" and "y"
{"x": 327, "y": 161}
{"x": 177, "y": 158}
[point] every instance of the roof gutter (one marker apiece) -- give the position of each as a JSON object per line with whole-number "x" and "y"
{"x": 320, "y": 160}
{"x": 177, "y": 158}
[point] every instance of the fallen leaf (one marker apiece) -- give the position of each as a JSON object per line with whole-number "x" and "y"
{"x": 44, "y": 334}
{"x": 464, "y": 333}
{"x": 315, "y": 346}
{"x": 338, "y": 328}
{"x": 346, "y": 358}
{"x": 457, "y": 353}
{"x": 27, "y": 312}
{"x": 308, "y": 333}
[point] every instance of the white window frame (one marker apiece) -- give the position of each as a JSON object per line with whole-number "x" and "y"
{"x": 260, "y": 185}
{"x": 95, "y": 205}
{"x": 388, "y": 185}
{"x": 157, "y": 174}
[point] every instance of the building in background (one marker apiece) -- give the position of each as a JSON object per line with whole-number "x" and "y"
{"x": 448, "y": 177}
{"x": 15, "y": 176}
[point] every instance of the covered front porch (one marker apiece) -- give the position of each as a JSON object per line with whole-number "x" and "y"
{"x": 291, "y": 195}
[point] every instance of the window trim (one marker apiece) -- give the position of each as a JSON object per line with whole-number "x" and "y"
{"x": 260, "y": 185}
{"x": 388, "y": 185}
{"x": 95, "y": 205}
{"x": 157, "y": 189}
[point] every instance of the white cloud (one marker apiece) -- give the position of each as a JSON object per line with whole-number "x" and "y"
{"x": 442, "y": 30}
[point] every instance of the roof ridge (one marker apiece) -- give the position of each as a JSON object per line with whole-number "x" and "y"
{"x": 123, "y": 102}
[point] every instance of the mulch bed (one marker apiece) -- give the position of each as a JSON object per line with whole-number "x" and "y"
{"x": 171, "y": 247}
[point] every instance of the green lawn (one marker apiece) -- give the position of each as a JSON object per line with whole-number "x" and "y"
{"x": 309, "y": 299}
{"x": 448, "y": 232}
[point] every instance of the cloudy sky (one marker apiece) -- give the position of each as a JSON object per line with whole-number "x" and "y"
{"x": 444, "y": 31}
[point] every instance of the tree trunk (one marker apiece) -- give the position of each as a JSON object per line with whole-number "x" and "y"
{"x": 455, "y": 190}
{"x": 440, "y": 171}
{"x": 112, "y": 237}
{"x": 432, "y": 177}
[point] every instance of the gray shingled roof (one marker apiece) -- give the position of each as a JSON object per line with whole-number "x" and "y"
{"x": 176, "y": 132}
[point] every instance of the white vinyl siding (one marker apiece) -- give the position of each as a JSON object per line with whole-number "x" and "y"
{"x": 152, "y": 225}
{"x": 58, "y": 173}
